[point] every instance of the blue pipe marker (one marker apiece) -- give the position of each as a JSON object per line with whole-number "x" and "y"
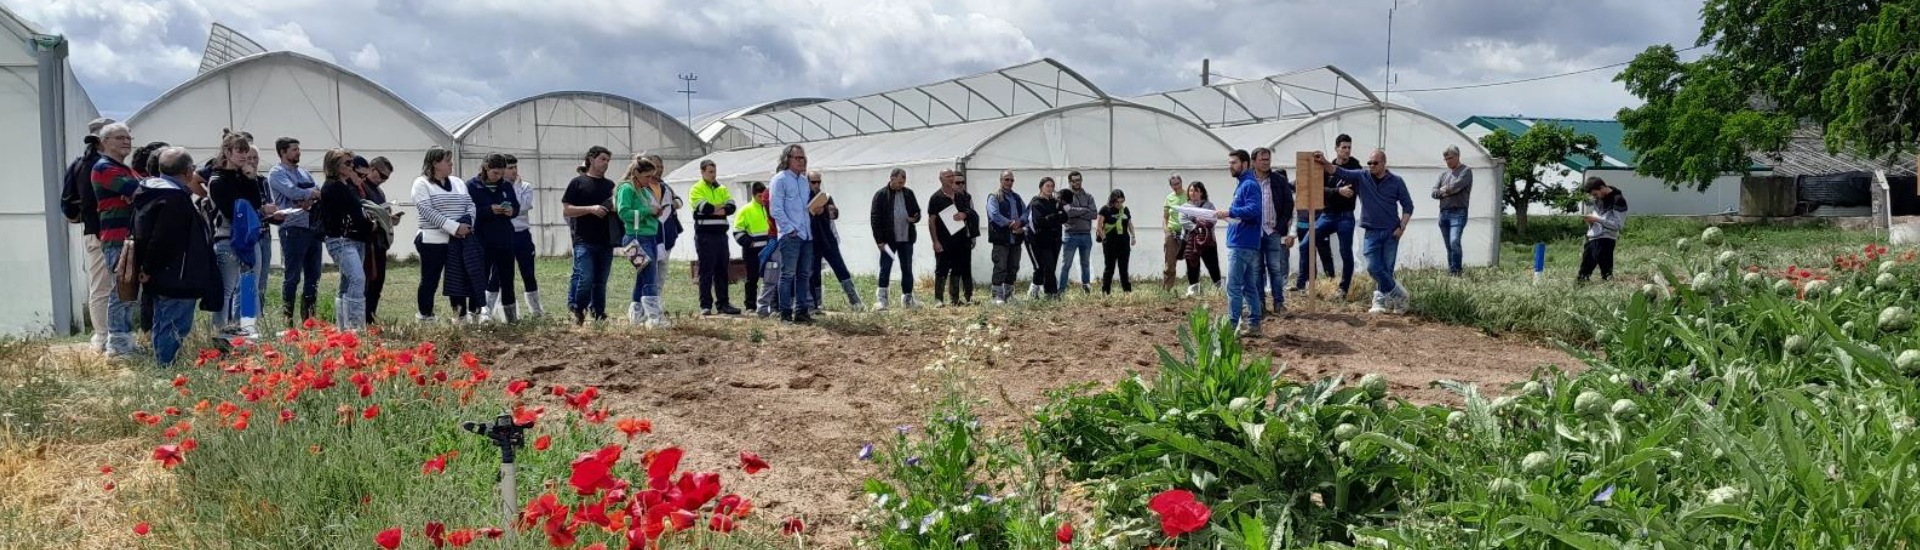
{"x": 1539, "y": 260}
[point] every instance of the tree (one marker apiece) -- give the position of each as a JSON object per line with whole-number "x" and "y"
{"x": 1850, "y": 68}
{"x": 1529, "y": 156}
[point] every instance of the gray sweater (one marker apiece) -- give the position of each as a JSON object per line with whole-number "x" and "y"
{"x": 1612, "y": 211}
{"x": 1080, "y": 213}
{"x": 1454, "y": 188}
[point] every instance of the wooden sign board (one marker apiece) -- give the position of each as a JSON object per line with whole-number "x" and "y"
{"x": 1309, "y": 179}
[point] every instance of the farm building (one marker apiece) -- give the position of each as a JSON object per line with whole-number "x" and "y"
{"x": 719, "y": 136}
{"x": 44, "y": 269}
{"x": 1306, "y": 110}
{"x": 1036, "y": 119}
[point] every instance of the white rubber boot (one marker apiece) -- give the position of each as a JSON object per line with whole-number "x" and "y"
{"x": 880, "y": 299}
{"x": 533, "y": 304}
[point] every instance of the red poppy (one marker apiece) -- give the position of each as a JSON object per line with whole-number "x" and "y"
{"x": 144, "y": 417}
{"x": 633, "y": 427}
{"x": 729, "y": 505}
{"x": 371, "y": 412}
{"x": 525, "y": 416}
{"x": 515, "y": 387}
{"x": 460, "y": 538}
{"x": 591, "y": 470}
{"x": 598, "y": 546}
{"x": 227, "y": 408}
{"x": 792, "y": 526}
{"x": 558, "y": 390}
{"x": 661, "y": 466}
{"x": 682, "y": 519}
{"x": 105, "y": 469}
{"x": 597, "y": 417}
{"x": 437, "y": 464}
{"x": 436, "y": 534}
{"x": 696, "y": 489}
{"x": 560, "y": 533}
{"x": 469, "y": 360}
{"x": 491, "y": 532}
{"x": 201, "y": 406}
{"x": 540, "y": 508}
{"x": 751, "y": 463}
{"x": 108, "y": 486}
{"x": 168, "y": 455}
{"x": 1179, "y": 512}
{"x": 188, "y": 445}
{"x": 541, "y": 443}
{"x": 240, "y": 425}
{"x": 721, "y": 524}
{"x": 1064, "y": 534}
{"x": 141, "y": 528}
{"x": 390, "y": 538}
{"x": 286, "y": 415}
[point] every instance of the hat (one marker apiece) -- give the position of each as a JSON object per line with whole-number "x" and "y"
{"x": 93, "y": 128}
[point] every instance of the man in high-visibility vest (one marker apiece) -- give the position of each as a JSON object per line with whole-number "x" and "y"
{"x": 711, "y": 206}
{"x": 753, "y": 230}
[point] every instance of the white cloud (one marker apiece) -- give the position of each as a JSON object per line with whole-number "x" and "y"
{"x": 368, "y": 58}
{"x": 290, "y": 36}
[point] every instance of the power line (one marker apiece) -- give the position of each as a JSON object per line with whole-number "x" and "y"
{"x": 1532, "y": 79}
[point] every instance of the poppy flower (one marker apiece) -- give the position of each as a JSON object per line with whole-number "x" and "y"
{"x": 227, "y": 408}
{"x": 591, "y": 470}
{"x": 390, "y": 538}
{"x": 106, "y": 469}
{"x": 598, "y": 546}
{"x": 558, "y": 390}
{"x": 437, "y": 464}
{"x": 721, "y": 524}
{"x": 468, "y": 360}
{"x": 108, "y": 486}
{"x": 560, "y": 533}
{"x": 1064, "y": 534}
{"x": 728, "y": 505}
{"x": 1179, "y": 512}
{"x": 491, "y": 532}
{"x": 792, "y": 526}
{"x": 541, "y": 443}
{"x": 168, "y": 455}
{"x": 201, "y": 406}
{"x": 633, "y": 427}
{"x": 179, "y": 381}
{"x": 661, "y": 466}
{"x": 682, "y": 519}
{"x": 516, "y": 387}
{"x": 171, "y": 411}
{"x": 696, "y": 489}
{"x": 751, "y": 463}
{"x": 460, "y": 538}
{"x": 240, "y": 425}
{"x": 188, "y": 445}
{"x": 436, "y": 534}
{"x": 371, "y": 412}
{"x": 525, "y": 416}
{"x": 598, "y": 417}
{"x": 286, "y": 415}
{"x": 144, "y": 417}
{"x": 141, "y": 528}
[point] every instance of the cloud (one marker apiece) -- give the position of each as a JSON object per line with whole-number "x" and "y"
{"x": 454, "y": 60}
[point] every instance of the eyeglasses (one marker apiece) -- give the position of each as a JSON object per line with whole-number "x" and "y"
{"x": 797, "y": 157}
{"x": 815, "y": 182}
{"x": 1372, "y": 163}
{"x": 1006, "y": 179}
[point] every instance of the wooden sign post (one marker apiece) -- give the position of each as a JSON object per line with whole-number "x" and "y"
{"x": 1309, "y": 184}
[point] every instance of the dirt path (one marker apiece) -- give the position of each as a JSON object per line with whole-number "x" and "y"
{"x": 806, "y": 399}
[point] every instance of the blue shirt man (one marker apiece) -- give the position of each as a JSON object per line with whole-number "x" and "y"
{"x": 787, "y": 205}
{"x": 1379, "y": 192}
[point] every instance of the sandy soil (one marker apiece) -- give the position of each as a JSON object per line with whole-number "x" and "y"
{"x": 807, "y": 398}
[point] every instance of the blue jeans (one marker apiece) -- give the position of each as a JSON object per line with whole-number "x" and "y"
{"x": 1243, "y": 285}
{"x": 299, "y": 257}
{"x": 229, "y": 284}
{"x": 795, "y": 294}
{"x": 1083, "y": 243}
{"x": 1300, "y": 233}
{"x": 263, "y": 263}
{"x": 350, "y": 307}
{"x": 1273, "y": 259}
{"x": 172, "y": 320}
{"x": 1383, "y": 252}
{"x": 905, "y": 252}
{"x": 1453, "y": 222}
{"x": 119, "y": 312}
{"x": 1341, "y": 224}
{"x": 646, "y": 282}
{"x": 592, "y": 263}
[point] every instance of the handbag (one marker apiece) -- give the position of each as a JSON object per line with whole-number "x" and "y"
{"x": 635, "y": 256}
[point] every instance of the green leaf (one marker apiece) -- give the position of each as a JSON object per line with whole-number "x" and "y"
{"x": 1718, "y": 511}
{"x": 1577, "y": 540}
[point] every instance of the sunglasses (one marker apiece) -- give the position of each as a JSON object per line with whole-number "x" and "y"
{"x": 815, "y": 182}
{"x": 1372, "y": 163}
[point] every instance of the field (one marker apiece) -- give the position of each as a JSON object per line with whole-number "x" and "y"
{"x": 989, "y": 427}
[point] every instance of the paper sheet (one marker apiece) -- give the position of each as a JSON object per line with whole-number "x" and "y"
{"x": 1202, "y": 214}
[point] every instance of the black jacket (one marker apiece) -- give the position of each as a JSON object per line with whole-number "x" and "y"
{"x": 496, "y": 231}
{"x": 1336, "y": 204}
{"x": 76, "y": 196}
{"x": 882, "y": 217}
{"x": 227, "y": 186}
{"x": 1049, "y": 220}
{"x": 963, "y": 202}
{"x": 174, "y": 245}
{"x": 341, "y": 214}
{"x": 1282, "y": 197}
{"x": 824, "y": 237}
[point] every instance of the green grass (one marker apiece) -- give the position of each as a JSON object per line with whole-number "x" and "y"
{"x": 1503, "y": 300}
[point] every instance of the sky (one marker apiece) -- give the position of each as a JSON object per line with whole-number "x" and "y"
{"x": 456, "y": 59}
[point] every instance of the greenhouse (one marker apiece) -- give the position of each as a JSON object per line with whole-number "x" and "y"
{"x": 1307, "y": 110}
{"x": 1037, "y": 119}
{"x": 44, "y": 267}
{"x": 548, "y": 134}
{"x": 719, "y": 136}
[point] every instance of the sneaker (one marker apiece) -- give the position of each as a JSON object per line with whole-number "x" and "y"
{"x": 1279, "y": 312}
{"x": 1379, "y": 306}
{"x": 1244, "y": 330}
{"x": 907, "y": 301}
{"x": 803, "y": 318}
{"x": 706, "y": 312}
{"x": 1193, "y": 290}
{"x": 727, "y": 309}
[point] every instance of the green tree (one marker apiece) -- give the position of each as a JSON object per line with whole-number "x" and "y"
{"x": 1531, "y": 156}
{"x": 1850, "y": 68}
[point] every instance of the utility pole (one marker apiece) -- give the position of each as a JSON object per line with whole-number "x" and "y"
{"x": 1388, "y": 95}
{"x": 688, "y": 79}
{"x": 1206, "y": 71}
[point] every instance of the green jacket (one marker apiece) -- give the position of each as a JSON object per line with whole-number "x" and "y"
{"x": 636, "y": 210}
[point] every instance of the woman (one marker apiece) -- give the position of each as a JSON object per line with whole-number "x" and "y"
{"x": 446, "y": 218}
{"x": 1115, "y": 223}
{"x": 232, "y": 182}
{"x": 1197, "y": 244}
{"x": 496, "y": 202}
{"x": 639, "y": 203}
{"x": 523, "y": 237}
{"x": 670, "y": 228}
{"x": 347, "y": 231}
{"x": 1047, "y": 217}
{"x": 374, "y": 201}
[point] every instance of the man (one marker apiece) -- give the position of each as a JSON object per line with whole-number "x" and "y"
{"x": 895, "y": 211}
{"x": 1609, "y": 215}
{"x": 712, "y": 204}
{"x": 300, "y": 241}
{"x": 787, "y": 205}
{"x": 174, "y": 251}
{"x": 1335, "y": 219}
{"x": 826, "y": 246}
{"x": 522, "y": 241}
{"x": 1006, "y": 230}
{"x": 1251, "y": 217}
{"x": 1379, "y": 191}
{"x": 587, "y": 206}
{"x": 1170, "y": 248}
{"x": 1081, "y": 212}
{"x": 1453, "y": 189}
{"x": 754, "y": 230}
{"x": 113, "y": 184}
{"x": 952, "y": 224}
{"x": 1275, "y": 241}
{"x": 77, "y": 204}
{"x": 378, "y": 171}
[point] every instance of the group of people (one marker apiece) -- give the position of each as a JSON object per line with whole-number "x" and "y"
{"x": 170, "y": 236}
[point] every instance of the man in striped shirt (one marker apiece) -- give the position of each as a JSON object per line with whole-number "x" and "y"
{"x": 113, "y": 187}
